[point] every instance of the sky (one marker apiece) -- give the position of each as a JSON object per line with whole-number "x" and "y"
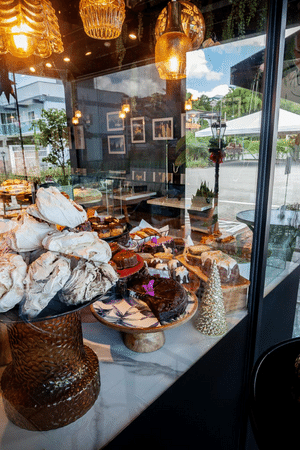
{"x": 208, "y": 70}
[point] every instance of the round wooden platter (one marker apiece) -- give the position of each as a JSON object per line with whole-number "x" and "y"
{"x": 146, "y": 340}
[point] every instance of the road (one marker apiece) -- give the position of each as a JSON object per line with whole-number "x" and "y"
{"x": 237, "y": 185}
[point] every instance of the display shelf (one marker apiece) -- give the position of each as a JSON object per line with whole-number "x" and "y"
{"x": 130, "y": 382}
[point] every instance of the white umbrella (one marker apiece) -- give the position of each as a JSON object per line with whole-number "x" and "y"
{"x": 250, "y": 124}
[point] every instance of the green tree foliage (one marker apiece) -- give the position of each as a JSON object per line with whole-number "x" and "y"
{"x": 53, "y": 132}
{"x": 203, "y": 103}
{"x": 240, "y": 102}
{"x": 192, "y": 151}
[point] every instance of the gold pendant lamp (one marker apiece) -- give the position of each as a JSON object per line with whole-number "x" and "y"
{"x": 192, "y": 21}
{"x": 172, "y": 45}
{"x": 102, "y": 19}
{"x": 29, "y": 27}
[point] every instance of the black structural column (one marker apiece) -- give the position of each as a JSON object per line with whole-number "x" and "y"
{"x": 273, "y": 65}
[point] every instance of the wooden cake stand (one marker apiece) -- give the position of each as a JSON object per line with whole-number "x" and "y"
{"x": 146, "y": 340}
{"x": 53, "y": 378}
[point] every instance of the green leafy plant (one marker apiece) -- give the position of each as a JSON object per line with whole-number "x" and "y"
{"x": 53, "y": 132}
{"x": 203, "y": 195}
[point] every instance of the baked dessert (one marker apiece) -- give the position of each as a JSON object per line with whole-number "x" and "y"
{"x": 46, "y": 276}
{"x": 227, "y": 266}
{"x": 181, "y": 274}
{"x": 102, "y": 230}
{"x": 193, "y": 256}
{"x": 53, "y": 207}
{"x": 27, "y": 234}
{"x": 156, "y": 245}
{"x": 166, "y": 298}
{"x": 115, "y": 248}
{"x": 84, "y": 244}
{"x": 12, "y": 274}
{"x": 198, "y": 249}
{"x": 88, "y": 280}
{"x": 115, "y": 229}
{"x": 145, "y": 233}
{"x": 179, "y": 245}
{"x": 125, "y": 259}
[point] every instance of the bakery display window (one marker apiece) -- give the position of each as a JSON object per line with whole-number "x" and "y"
{"x": 133, "y": 262}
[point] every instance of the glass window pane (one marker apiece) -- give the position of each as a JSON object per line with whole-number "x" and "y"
{"x": 283, "y": 245}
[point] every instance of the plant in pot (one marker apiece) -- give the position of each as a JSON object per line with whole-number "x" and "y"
{"x": 201, "y": 212}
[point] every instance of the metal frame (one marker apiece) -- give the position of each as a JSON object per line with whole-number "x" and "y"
{"x": 275, "y": 42}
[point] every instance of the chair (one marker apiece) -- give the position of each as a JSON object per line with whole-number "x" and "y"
{"x": 274, "y": 390}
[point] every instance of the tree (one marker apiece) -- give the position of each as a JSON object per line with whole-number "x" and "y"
{"x": 53, "y": 132}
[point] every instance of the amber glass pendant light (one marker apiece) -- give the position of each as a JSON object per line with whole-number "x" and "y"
{"x": 172, "y": 45}
{"x": 29, "y": 27}
{"x": 102, "y": 19}
{"x": 192, "y": 20}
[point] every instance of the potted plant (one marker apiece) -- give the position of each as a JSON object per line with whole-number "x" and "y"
{"x": 201, "y": 212}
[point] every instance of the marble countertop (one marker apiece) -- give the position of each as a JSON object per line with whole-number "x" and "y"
{"x": 129, "y": 383}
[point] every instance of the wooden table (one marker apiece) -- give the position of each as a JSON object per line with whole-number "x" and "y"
{"x": 168, "y": 202}
{"x": 132, "y": 199}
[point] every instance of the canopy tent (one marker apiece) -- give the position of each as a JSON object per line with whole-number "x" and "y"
{"x": 250, "y": 124}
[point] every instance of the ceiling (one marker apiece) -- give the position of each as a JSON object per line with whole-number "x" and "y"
{"x": 121, "y": 53}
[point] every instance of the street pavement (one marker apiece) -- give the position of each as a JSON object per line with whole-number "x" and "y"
{"x": 237, "y": 185}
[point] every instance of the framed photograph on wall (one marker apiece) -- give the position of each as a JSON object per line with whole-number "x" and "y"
{"x": 138, "y": 130}
{"x": 116, "y": 145}
{"x": 114, "y": 122}
{"x": 162, "y": 128}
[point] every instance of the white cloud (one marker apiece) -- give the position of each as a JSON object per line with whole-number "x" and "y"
{"x": 222, "y": 89}
{"x": 197, "y": 67}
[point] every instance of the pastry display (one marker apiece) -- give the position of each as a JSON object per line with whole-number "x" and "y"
{"x": 15, "y": 187}
{"x": 27, "y": 234}
{"x": 115, "y": 247}
{"x": 84, "y": 194}
{"x": 53, "y": 207}
{"x": 84, "y": 244}
{"x": 181, "y": 274}
{"x": 88, "y": 280}
{"x": 166, "y": 298}
{"x": 107, "y": 226}
{"x": 125, "y": 259}
{"x": 198, "y": 249}
{"x": 227, "y": 266}
{"x": 156, "y": 245}
{"x": 12, "y": 273}
{"x": 46, "y": 276}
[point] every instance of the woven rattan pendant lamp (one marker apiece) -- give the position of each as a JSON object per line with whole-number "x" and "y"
{"x": 102, "y": 19}
{"x": 29, "y": 27}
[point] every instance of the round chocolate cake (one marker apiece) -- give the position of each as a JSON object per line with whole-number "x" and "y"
{"x": 125, "y": 259}
{"x": 166, "y": 298}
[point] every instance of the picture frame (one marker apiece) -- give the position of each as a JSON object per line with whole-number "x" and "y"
{"x": 162, "y": 129}
{"x": 137, "y": 130}
{"x": 116, "y": 145}
{"x": 114, "y": 122}
{"x": 79, "y": 137}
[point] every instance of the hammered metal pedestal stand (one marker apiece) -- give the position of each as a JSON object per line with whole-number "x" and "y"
{"x": 53, "y": 378}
